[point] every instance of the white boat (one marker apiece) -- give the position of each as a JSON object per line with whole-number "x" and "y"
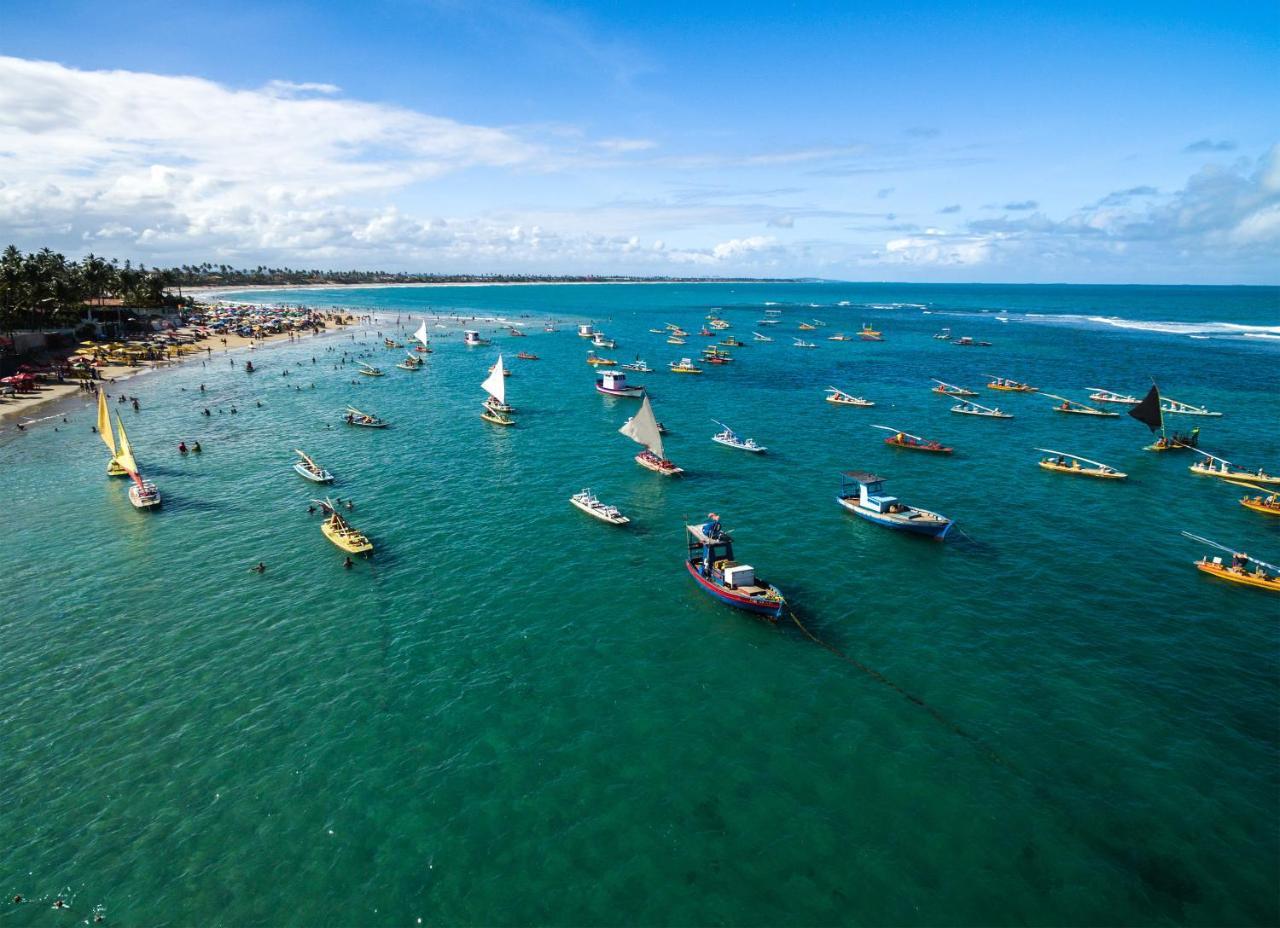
{"x": 1079, "y": 409}
{"x": 311, "y": 470}
{"x": 600, "y": 341}
{"x": 730, "y": 439}
{"x": 638, "y": 365}
{"x": 587, "y": 502}
{"x": 471, "y": 338}
{"x": 1173, "y": 407}
{"x": 643, "y": 429}
{"x": 801, "y": 343}
{"x": 614, "y": 383}
{"x": 143, "y": 494}
{"x": 944, "y": 335}
{"x": 761, "y": 338}
{"x": 841, "y": 398}
{"x": 586, "y": 330}
{"x": 818, "y": 322}
{"x": 496, "y": 403}
{"x": 370, "y": 371}
{"x": 1063, "y": 462}
{"x": 1099, "y": 395}
{"x": 970, "y": 408}
{"x": 766, "y": 322}
{"x": 950, "y": 389}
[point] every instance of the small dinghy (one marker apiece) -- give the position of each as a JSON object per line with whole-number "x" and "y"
{"x": 362, "y": 419}
{"x": 901, "y": 439}
{"x": 587, "y": 502}
{"x": 730, "y": 439}
{"x": 949, "y": 389}
{"x": 1064, "y": 463}
{"x": 970, "y": 408}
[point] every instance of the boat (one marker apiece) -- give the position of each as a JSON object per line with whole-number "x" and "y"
{"x": 471, "y": 338}
{"x": 143, "y": 493}
{"x": 108, "y": 437}
{"x": 761, "y": 338}
{"x": 841, "y": 398}
{"x": 766, "y": 322}
{"x": 515, "y": 333}
{"x": 658, "y": 331}
{"x": 339, "y": 531}
{"x": 363, "y": 419}
{"x": 868, "y": 334}
{"x": 944, "y": 335}
{"x": 1010, "y": 386}
{"x": 714, "y": 355}
{"x": 677, "y": 331}
{"x": 643, "y": 429}
{"x": 506, "y": 371}
{"x": 1178, "y": 441}
{"x": 369, "y": 370}
{"x": 550, "y": 327}
{"x": 965, "y": 341}
{"x": 806, "y": 327}
{"x": 587, "y": 502}
{"x": 495, "y": 405}
{"x": 732, "y": 342}
{"x": 1268, "y": 503}
{"x": 586, "y": 330}
{"x": 801, "y": 343}
{"x": 1079, "y": 409}
{"x": 863, "y": 494}
{"x": 950, "y": 389}
{"x": 1150, "y": 412}
{"x": 1173, "y": 407}
{"x": 818, "y": 323}
{"x": 675, "y": 340}
{"x": 1263, "y": 576}
{"x": 311, "y": 470}
{"x": 421, "y": 336}
{"x": 684, "y": 366}
{"x": 970, "y": 408}
{"x": 1214, "y": 466}
{"x": 730, "y": 439}
{"x": 595, "y": 361}
{"x": 527, "y": 356}
{"x": 392, "y": 343}
{"x": 614, "y": 383}
{"x": 410, "y": 363}
{"x": 839, "y": 337}
{"x": 1065, "y": 463}
{"x": 901, "y": 439}
{"x": 639, "y": 366}
{"x": 718, "y": 324}
{"x": 1100, "y": 395}
{"x": 711, "y": 563}
{"x": 706, "y": 333}
{"x": 600, "y": 341}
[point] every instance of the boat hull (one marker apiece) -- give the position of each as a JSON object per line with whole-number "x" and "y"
{"x": 1258, "y": 506}
{"x": 633, "y": 393}
{"x": 770, "y": 609}
{"x": 935, "y": 528}
{"x": 496, "y": 418}
{"x": 139, "y": 500}
{"x": 351, "y": 546}
{"x": 754, "y": 449}
{"x": 1083, "y": 471}
{"x": 1243, "y": 579}
{"x": 598, "y": 514}
{"x": 911, "y": 446}
{"x": 663, "y": 467}
{"x": 301, "y": 470}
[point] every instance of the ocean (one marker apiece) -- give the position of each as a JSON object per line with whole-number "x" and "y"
{"x": 513, "y": 714}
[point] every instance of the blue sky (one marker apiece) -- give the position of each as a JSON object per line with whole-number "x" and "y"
{"x": 913, "y": 141}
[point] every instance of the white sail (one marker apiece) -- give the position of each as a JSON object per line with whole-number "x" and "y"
{"x": 421, "y": 334}
{"x": 643, "y": 428}
{"x": 495, "y": 384}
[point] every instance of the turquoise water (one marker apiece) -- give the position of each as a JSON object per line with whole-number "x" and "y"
{"x": 514, "y": 714}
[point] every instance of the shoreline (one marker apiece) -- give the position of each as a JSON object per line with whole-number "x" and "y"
{"x": 208, "y": 291}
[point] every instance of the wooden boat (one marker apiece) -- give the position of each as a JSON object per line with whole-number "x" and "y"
{"x": 495, "y": 405}
{"x": 1175, "y": 442}
{"x": 901, "y": 439}
{"x": 1263, "y": 576}
{"x": 840, "y": 398}
{"x": 596, "y": 361}
{"x": 711, "y": 563}
{"x": 364, "y": 420}
{"x": 497, "y": 418}
{"x": 684, "y": 366}
{"x": 970, "y": 408}
{"x": 114, "y": 468}
{"x": 527, "y": 356}
{"x": 965, "y": 341}
{"x": 1214, "y": 466}
{"x": 1065, "y": 463}
{"x": 718, "y": 324}
{"x": 732, "y": 342}
{"x": 601, "y": 342}
{"x": 410, "y": 363}
{"x": 1268, "y": 503}
{"x": 675, "y": 340}
{"x": 950, "y": 389}
{"x": 1100, "y": 395}
{"x": 638, "y": 366}
{"x": 839, "y": 337}
{"x": 587, "y": 502}
{"x": 866, "y": 500}
{"x": 370, "y": 371}
{"x": 801, "y": 343}
{"x": 714, "y": 355}
{"x": 761, "y": 338}
{"x": 677, "y": 331}
{"x": 730, "y": 439}
{"x": 658, "y": 331}
{"x": 311, "y": 470}
{"x": 142, "y": 493}
{"x": 868, "y": 334}
{"x": 706, "y": 333}
{"x": 806, "y": 327}
{"x": 1173, "y": 407}
{"x": 1010, "y": 386}
{"x": 391, "y": 343}
{"x": 643, "y": 429}
{"x": 818, "y": 324}
{"x": 1079, "y": 409}
{"x": 614, "y": 383}
{"x": 339, "y": 531}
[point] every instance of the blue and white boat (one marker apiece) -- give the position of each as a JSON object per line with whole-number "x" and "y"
{"x": 863, "y": 495}
{"x": 730, "y": 439}
{"x": 614, "y": 383}
{"x": 710, "y": 562}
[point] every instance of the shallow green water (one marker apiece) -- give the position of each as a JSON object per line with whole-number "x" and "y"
{"x": 513, "y": 714}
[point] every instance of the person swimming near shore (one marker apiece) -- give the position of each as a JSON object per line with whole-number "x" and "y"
{"x": 182, "y": 447}
{"x": 348, "y": 563}
{"x": 195, "y": 447}
{"x": 260, "y": 569}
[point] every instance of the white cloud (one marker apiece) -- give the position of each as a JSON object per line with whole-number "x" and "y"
{"x": 736, "y": 248}
{"x": 622, "y": 146}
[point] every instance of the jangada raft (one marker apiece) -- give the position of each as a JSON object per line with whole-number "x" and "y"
{"x": 495, "y": 405}
{"x": 643, "y": 428}
{"x": 949, "y": 389}
{"x": 311, "y": 470}
{"x": 363, "y": 419}
{"x": 970, "y": 408}
{"x": 339, "y": 531}
{"x": 1214, "y": 466}
{"x": 614, "y": 383}
{"x": 1010, "y": 386}
{"x": 840, "y": 398}
{"x": 901, "y": 439}
{"x": 862, "y": 494}
{"x": 1268, "y": 503}
{"x": 710, "y": 562}
{"x": 1065, "y": 463}
{"x": 1079, "y": 409}
{"x": 1263, "y": 576}
{"x": 1100, "y": 395}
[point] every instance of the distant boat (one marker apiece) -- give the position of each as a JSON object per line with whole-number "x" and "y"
{"x": 495, "y": 405}
{"x": 643, "y": 429}
{"x": 761, "y": 338}
{"x": 806, "y": 327}
{"x": 684, "y": 366}
{"x": 950, "y": 389}
{"x": 1173, "y": 407}
{"x": 311, "y": 470}
{"x": 421, "y": 335}
{"x": 1100, "y": 395}
{"x": 944, "y": 335}
{"x": 1065, "y": 463}
{"x": 587, "y": 502}
{"x": 600, "y": 341}
{"x": 471, "y": 338}
{"x": 410, "y": 363}
{"x": 868, "y": 334}
{"x": 1214, "y": 466}
{"x": 1263, "y": 576}
{"x": 614, "y": 383}
{"x": 840, "y": 398}
{"x": 527, "y": 356}
{"x": 1079, "y": 409}
{"x": 901, "y": 439}
{"x": 839, "y": 337}
{"x": 966, "y": 342}
{"x": 363, "y": 419}
{"x": 370, "y": 371}
{"x": 638, "y": 365}
{"x": 730, "y": 439}
{"x": 801, "y": 343}
{"x": 586, "y": 330}
{"x": 596, "y": 361}
{"x": 108, "y": 437}
{"x": 143, "y": 494}
{"x": 867, "y": 501}
{"x": 675, "y": 340}
{"x": 970, "y": 408}
{"x": 1010, "y": 386}
{"x": 711, "y": 563}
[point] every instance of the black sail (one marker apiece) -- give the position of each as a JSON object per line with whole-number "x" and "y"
{"x": 1148, "y": 411}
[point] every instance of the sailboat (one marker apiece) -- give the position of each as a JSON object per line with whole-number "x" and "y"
{"x": 1150, "y": 412}
{"x": 949, "y": 389}
{"x": 421, "y": 335}
{"x": 643, "y": 429}
{"x": 1066, "y": 463}
{"x": 1214, "y": 466}
{"x": 104, "y": 430}
{"x": 841, "y": 398}
{"x": 1173, "y": 407}
{"x": 1237, "y": 571}
{"x": 143, "y": 494}
{"x": 410, "y": 363}
{"x": 311, "y": 470}
{"x": 495, "y": 406}
{"x": 1080, "y": 409}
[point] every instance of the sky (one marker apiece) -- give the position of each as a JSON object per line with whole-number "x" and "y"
{"x": 917, "y": 141}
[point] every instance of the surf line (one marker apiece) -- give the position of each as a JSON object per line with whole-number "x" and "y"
{"x": 985, "y": 749}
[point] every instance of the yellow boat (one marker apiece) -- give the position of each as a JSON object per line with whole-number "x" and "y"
{"x": 1065, "y": 463}
{"x": 684, "y": 366}
{"x": 596, "y": 361}
{"x": 805, "y": 327}
{"x": 1263, "y": 576}
{"x": 1215, "y": 466}
{"x": 497, "y": 418}
{"x": 1268, "y": 505}
{"x": 340, "y": 532}
{"x": 1011, "y": 386}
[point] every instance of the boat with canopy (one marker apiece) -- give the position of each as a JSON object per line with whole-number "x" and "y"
{"x": 730, "y": 439}
{"x": 587, "y": 502}
{"x": 310, "y": 469}
{"x": 108, "y": 437}
{"x": 1079, "y": 409}
{"x": 1263, "y": 576}
{"x": 643, "y": 429}
{"x": 596, "y": 361}
{"x": 970, "y": 408}
{"x": 639, "y": 366}
{"x": 143, "y": 493}
{"x": 901, "y": 439}
{"x": 684, "y": 366}
{"x": 614, "y": 383}
{"x": 1065, "y": 463}
{"x": 949, "y": 389}
{"x": 1214, "y": 466}
{"x": 527, "y": 356}
{"x": 363, "y": 419}
{"x": 339, "y": 531}
{"x": 731, "y": 342}
{"x": 1101, "y": 395}
{"x": 761, "y": 338}
{"x": 495, "y": 405}
{"x": 1009, "y": 386}
{"x": 839, "y": 397}
{"x": 1268, "y": 503}
{"x": 711, "y": 563}
{"x": 713, "y": 355}
{"x": 1175, "y": 408}
{"x": 410, "y": 363}
{"x": 863, "y": 494}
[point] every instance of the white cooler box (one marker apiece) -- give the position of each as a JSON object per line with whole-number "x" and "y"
{"x": 740, "y": 575}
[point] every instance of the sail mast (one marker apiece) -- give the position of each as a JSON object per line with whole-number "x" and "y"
{"x": 643, "y": 429}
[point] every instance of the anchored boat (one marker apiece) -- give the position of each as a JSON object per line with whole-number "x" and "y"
{"x": 595, "y": 361}
{"x": 471, "y": 338}
{"x": 868, "y": 334}
{"x": 901, "y": 439}
{"x": 801, "y": 343}
{"x": 600, "y": 341}
{"x": 370, "y": 371}
{"x": 711, "y": 564}
{"x": 1010, "y": 386}
{"x": 950, "y": 389}
{"x": 684, "y": 366}
{"x": 730, "y": 439}
{"x": 586, "y": 330}
{"x": 143, "y": 494}
{"x": 364, "y": 420}
{"x": 587, "y": 502}
{"x": 1263, "y": 576}
{"x": 638, "y": 365}
{"x": 1214, "y": 466}
{"x": 495, "y": 405}
{"x": 1268, "y": 503}
{"x": 311, "y": 470}
{"x": 1100, "y": 395}
{"x": 841, "y": 398}
{"x": 339, "y": 531}
{"x": 410, "y": 363}
{"x": 614, "y": 383}
{"x": 862, "y": 494}
{"x": 1079, "y": 409}
{"x": 970, "y": 408}
{"x": 1065, "y": 463}
{"x": 527, "y": 356}
{"x": 1173, "y": 407}
{"x": 761, "y": 338}
{"x": 421, "y": 336}
{"x": 643, "y": 429}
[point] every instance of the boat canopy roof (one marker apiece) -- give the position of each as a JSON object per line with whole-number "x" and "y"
{"x": 698, "y": 533}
